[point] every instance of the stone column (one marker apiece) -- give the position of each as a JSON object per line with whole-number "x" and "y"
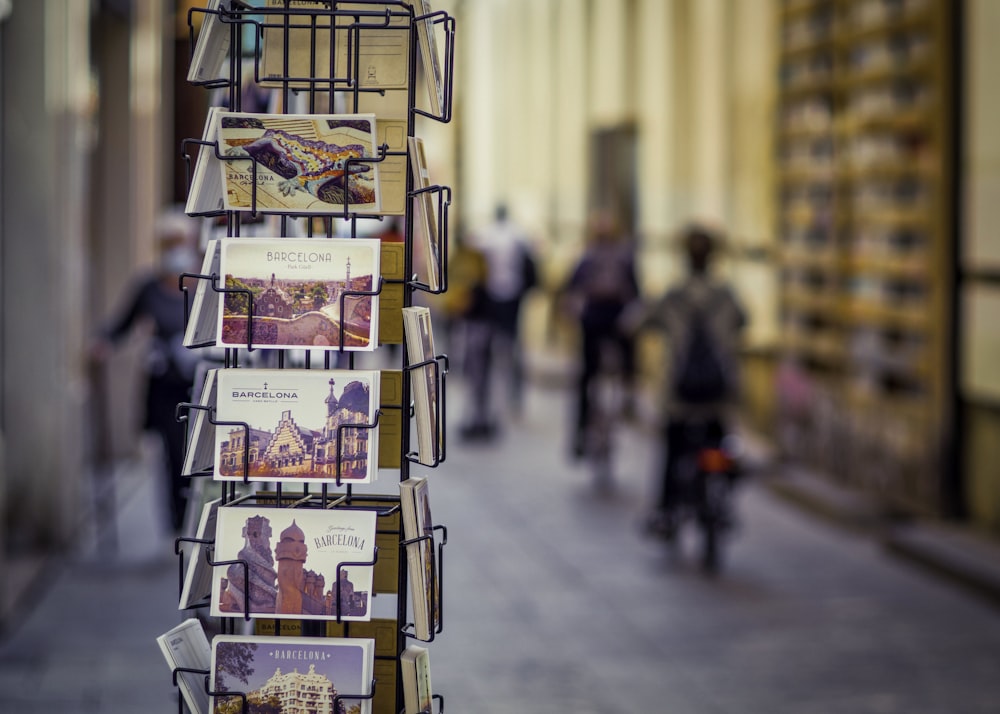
{"x": 569, "y": 98}
{"x": 708, "y": 85}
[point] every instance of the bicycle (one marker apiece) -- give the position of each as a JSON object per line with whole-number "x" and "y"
{"x": 607, "y": 402}
{"x": 706, "y": 473}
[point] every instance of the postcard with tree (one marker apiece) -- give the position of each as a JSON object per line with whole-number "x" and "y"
{"x": 299, "y": 292}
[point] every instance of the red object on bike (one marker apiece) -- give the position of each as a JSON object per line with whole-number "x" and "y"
{"x": 714, "y": 460}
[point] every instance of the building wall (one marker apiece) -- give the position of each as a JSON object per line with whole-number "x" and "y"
{"x": 979, "y": 375}
{"x": 47, "y": 100}
{"x": 81, "y": 179}
{"x": 698, "y": 81}
{"x": 693, "y": 80}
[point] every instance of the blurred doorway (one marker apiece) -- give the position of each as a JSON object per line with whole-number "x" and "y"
{"x": 613, "y": 176}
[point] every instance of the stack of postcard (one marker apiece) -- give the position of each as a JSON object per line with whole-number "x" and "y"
{"x": 197, "y": 584}
{"x": 416, "y": 669}
{"x": 426, "y": 239}
{"x": 425, "y": 587}
{"x": 425, "y": 381}
{"x": 186, "y": 647}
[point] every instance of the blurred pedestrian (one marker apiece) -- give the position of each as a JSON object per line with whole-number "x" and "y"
{"x": 494, "y": 340}
{"x": 465, "y": 300}
{"x": 602, "y": 285}
{"x": 154, "y": 299}
{"x": 703, "y": 320}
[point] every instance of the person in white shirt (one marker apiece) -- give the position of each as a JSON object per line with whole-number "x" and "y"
{"x": 494, "y": 342}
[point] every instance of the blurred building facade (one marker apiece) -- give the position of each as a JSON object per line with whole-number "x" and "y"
{"x": 844, "y": 147}
{"x": 662, "y": 112}
{"x": 84, "y": 120}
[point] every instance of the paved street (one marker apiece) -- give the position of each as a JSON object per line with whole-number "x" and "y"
{"x": 555, "y": 604}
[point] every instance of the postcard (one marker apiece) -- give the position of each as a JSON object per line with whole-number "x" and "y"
{"x": 296, "y": 425}
{"x": 186, "y": 647}
{"x": 304, "y": 292}
{"x": 425, "y": 225}
{"x": 199, "y": 457}
{"x": 299, "y": 163}
{"x": 211, "y": 49}
{"x": 425, "y": 382}
{"x": 205, "y": 191}
{"x": 416, "y": 668}
{"x": 430, "y": 60}
{"x": 292, "y": 674}
{"x": 294, "y": 563}
{"x": 198, "y": 573}
{"x": 425, "y": 589}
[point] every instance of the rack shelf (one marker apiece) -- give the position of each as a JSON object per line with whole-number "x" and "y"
{"x": 364, "y": 59}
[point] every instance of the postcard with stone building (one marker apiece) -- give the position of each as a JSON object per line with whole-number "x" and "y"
{"x": 314, "y": 293}
{"x": 299, "y": 163}
{"x": 292, "y": 674}
{"x": 299, "y": 563}
{"x": 303, "y": 425}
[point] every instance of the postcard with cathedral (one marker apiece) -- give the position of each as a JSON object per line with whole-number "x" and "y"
{"x": 292, "y": 674}
{"x": 299, "y": 163}
{"x": 305, "y": 425}
{"x": 299, "y": 563}
{"x": 299, "y": 293}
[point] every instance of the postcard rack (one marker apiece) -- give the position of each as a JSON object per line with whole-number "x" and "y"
{"x": 311, "y": 58}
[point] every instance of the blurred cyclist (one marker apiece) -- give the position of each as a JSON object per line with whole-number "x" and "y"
{"x": 704, "y": 320}
{"x": 601, "y": 287}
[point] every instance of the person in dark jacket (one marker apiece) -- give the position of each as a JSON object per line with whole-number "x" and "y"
{"x": 154, "y": 299}
{"x": 602, "y": 285}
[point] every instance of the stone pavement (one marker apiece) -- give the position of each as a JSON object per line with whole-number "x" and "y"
{"x": 555, "y": 603}
{"x": 87, "y": 643}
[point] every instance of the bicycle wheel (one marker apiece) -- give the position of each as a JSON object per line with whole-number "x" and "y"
{"x": 599, "y": 449}
{"x": 714, "y": 502}
{"x": 600, "y": 452}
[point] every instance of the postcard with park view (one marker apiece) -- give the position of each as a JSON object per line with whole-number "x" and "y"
{"x": 304, "y": 293}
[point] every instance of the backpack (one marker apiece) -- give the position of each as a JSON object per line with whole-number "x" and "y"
{"x": 699, "y": 375}
{"x": 606, "y": 278}
{"x": 529, "y": 270}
